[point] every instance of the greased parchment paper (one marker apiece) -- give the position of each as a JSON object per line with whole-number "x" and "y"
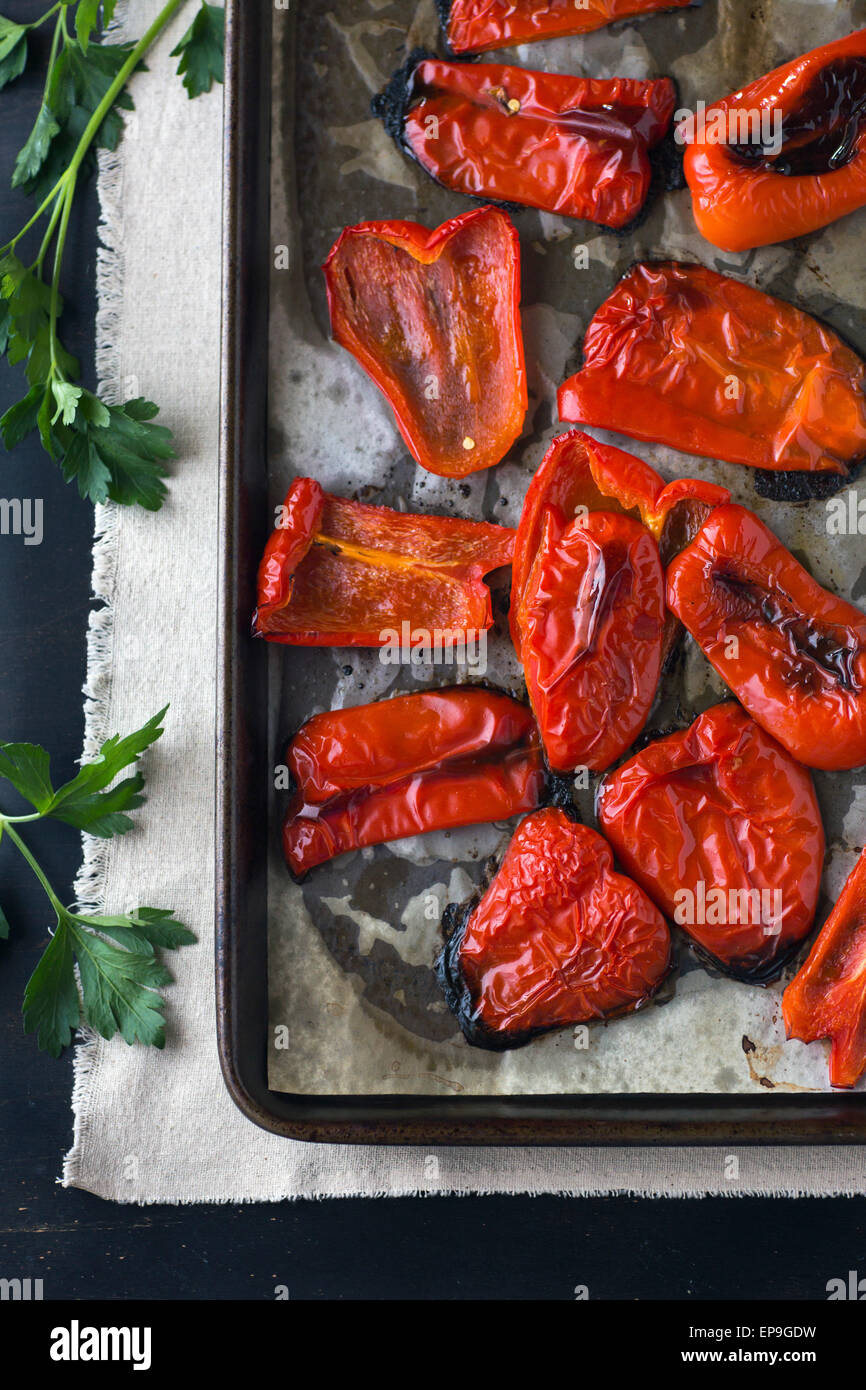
{"x": 354, "y": 1005}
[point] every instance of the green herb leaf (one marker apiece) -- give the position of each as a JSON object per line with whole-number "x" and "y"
{"x": 27, "y": 767}
{"x": 151, "y": 926}
{"x": 20, "y": 419}
{"x": 118, "y": 989}
{"x": 85, "y": 21}
{"x": 13, "y": 51}
{"x": 4, "y": 926}
{"x": 86, "y": 804}
{"x": 51, "y": 1005}
{"x": 35, "y": 151}
{"x": 202, "y": 51}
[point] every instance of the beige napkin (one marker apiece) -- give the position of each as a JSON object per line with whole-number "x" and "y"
{"x": 160, "y": 1127}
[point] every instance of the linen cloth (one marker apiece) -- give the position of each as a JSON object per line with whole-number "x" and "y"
{"x": 159, "y": 1126}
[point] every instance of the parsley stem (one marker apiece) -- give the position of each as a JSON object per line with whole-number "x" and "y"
{"x": 37, "y": 23}
{"x": 124, "y": 73}
{"x": 16, "y": 839}
{"x": 68, "y": 195}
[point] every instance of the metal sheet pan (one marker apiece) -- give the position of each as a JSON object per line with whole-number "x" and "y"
{"x": 246, "y": 749}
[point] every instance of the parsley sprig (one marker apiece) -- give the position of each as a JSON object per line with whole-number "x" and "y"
{"x": 111, "y": 451}
{"x": 119, "y": 970}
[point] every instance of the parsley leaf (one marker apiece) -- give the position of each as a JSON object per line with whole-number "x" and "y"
{"x": 4, "y": 926}
{"x": 13, "y": 51}
{"x": 119, "y": 970}
{"x": 202, "y": 51}
{"x": 51, "y": 1005}
{"x": 35, "y": 150}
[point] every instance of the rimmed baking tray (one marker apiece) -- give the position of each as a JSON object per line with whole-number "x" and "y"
{"x": 243, "y": 756}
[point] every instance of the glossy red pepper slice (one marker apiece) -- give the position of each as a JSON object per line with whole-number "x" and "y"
{"x": 680, "y": 355}
{"x": 341, "y": 573}
{"x": 475, "y": 26}
{"x": 793, "y": 653}
{"x": 588, "y": 615}
{"x": 558, "y": 938}
{"x": 569, "y": 145}
{"x": 579, "y": 475}
{"x": 429, "y": 761}
{"x": 722, "y": 828}
{"x": 827, "y": 998}
{"x": 592, "y": 619}
{"x": 434, "y": 319}
{"x": 749, "y": 191}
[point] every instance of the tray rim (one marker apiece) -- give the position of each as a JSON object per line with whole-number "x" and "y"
{"x": 240, "y": 888}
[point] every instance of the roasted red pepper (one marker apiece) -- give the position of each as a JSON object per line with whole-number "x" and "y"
{"x": 588, "y": 615}
{"x": 570, "y": 145}
{"x": 401, "y": 767}
{"x": 680, "y": 355}
{"x": 751, "y": 186}
{"x": 722, "y": 828}
{"x": 434, "y": 319}
{"x": 475, "y": 26}
{"x": 558, "y": 938}
{"x": 827, "y": 999}
{"x": 340, "y": 573}
{"x": 793, "y": 653}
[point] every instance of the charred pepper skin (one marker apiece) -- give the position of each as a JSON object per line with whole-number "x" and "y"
{"x": 722, "y": 808}
{"x": 431, "y": 761}
{"x": 476, "y": 26}
{"x": 746, "y": 194}
{"x": 573, "y": 146}
{"x": 827, "y": 997}
{"x": 558, "y": 938}
{"x": 793, "y": 653}
{"x": 588, "y": 616}
{"x": 433, "y": 317}
{"x": 683, "y": 356}
{"x": 342, "y": 573}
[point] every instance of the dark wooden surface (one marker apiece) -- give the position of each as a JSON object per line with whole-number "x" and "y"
{"x": 513, "y": 1248}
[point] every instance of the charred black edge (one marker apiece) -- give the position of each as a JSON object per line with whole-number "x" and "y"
{"x": 455, "y": 920}
{"x": 443, "y": 9}
{"x": 749, "y": 970}
{"x": 794, "y": 485}
{"x": 552, "y": 787}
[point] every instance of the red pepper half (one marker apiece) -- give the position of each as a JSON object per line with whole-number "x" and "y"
{"x": 750, "y": 187}
{"x": 558, "y": 938}
{"x": 430, "y": 761}
{"x": 570, "y": 145}
{"x": 793, "y": 653}
{"x": 434, "y": 319}
{"x": 722, "y": 828}
{"x": 475, "y": 26}
{"x": 827, "y": 999}
{"x": 588, "y": 615}
{"x": 680, "y": 355}
{"x": 340, "y": 573}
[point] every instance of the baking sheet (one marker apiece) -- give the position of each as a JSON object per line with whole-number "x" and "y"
{"x": 354, "y": 1006}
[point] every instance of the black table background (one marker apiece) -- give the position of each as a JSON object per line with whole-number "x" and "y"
{"x": 82, "y": 1247}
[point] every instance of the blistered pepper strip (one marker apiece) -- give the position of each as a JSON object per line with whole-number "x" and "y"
{"x": 341, "y": 573}
{"x": 722, "y": 829}
{"x": 827, "y": 998}
{"x": 748, "y": 189}
{"x": 476, "y": 26}
{"x": 588, "y": 616}
{"x": 683, "y": 356}
{"x": 574, "y": 146}
{"x": 431, "y": 761}
{"x": 793, "y": 653}
{"x": 434, "y": 319}
{"x": 558, "y": 938}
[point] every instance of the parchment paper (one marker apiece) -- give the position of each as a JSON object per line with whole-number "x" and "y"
{"x": 354, "y": 1004}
